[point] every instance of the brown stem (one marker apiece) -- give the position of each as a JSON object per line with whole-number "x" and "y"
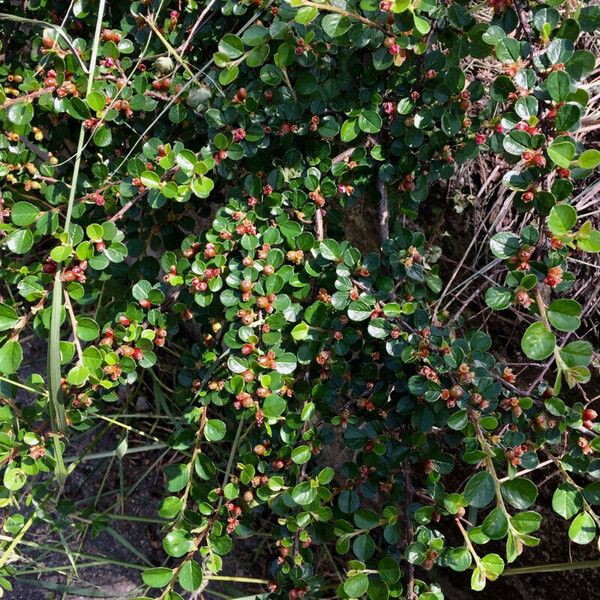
{"x": 27, "y": 97}
{"x": 14, "y": 335}
{"x": 345, "y": 13}
{"x": 195, "y": 28}
{"x": 319, "y": 224}
{"x": 384, "y": 213}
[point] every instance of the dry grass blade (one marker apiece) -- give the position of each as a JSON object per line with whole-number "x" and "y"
{"x": 57, "y": 409}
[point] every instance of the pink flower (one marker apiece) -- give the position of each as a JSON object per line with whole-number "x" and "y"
{"x": 239, "y": 134}
{"x": 388, "y": 108}
{"x": 480, "y": 138}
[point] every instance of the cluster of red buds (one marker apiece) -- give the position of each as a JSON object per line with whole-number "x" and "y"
{"x": 513, "y": 405}
{"x": 246, "y": 227}
{"x": 554, "y": 276}
{"x": 477, "y": 400}
{"x": 267, "y": 361}
{"x": 76, "y": 273}
{"x": 508, "y": 375}
{"x": 238, "y": 134}
{"x": 295, "y": 256}
{"x": 466, "y": 376}
{"x": 513, "y": 455}
{"x": 113, "y": 371}
{"x": 123, "y": 106}
{"x": 200, "y": 282}
{"x": 162, "y": 84}
{"x": 110, "y": 36}
{"x": 522, "y": 258}
{"x": 240, "y": 96}
{"x": 534, "y": 158}
{"x": 234, "y": 512}
{"x": 131, "y": 352}
{"x": 589, "y": 415}
{"x": 523, "y": 298}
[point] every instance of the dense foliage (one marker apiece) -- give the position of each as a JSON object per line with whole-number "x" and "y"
{"x": 174, "y": 181}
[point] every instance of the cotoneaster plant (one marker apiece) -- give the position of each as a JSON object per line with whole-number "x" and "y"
{"x": 175, "y": 179}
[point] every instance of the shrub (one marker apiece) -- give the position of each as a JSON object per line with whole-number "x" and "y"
{"x": 175, "y": 179}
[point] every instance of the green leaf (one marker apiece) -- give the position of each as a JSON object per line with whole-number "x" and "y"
{"x": 589, "y": 18}
{"x": 78, "y": 109}
{"x": 158, "y": 577}
{"x": 479, "y": 490}
{"x": 577, "y": 354}
{"x": 214, "y": 430}
{"x": 102, "y": 136}
{"x": 526, "y": 522}
{"x": 567, "y": 116}
{"x": 300, "y": 331}
{"x": 11, "y": 357}
{"x": 369, "y": 121}
{"x": 495, "y": 525}
{"x": 150, "y": 180}
{"x": 538, "y": 342}
{"x": 190, "y": 576}
{"x": 24, "y": 213}
{"x": 526, "y": 107}
{"x": 177, "y": 475}
{"x": 8, "y": 317}
{"x": 20, "y": 113}
{"x": 363, "y": 547}
{"x": 186, "y": 160}
{"x": 493, "y": 566}
{"x": 421, "y": 25}
{"x": 356, "y": 586}
{"x": 286, "y": 363}
{"x": 78, "y": 375}
{"x": 96, "y": 101}
{"x": 564, "y": 314}
{"x": 505, "y": 244}
{"x": 562, "y": 153}
{"x": 519, "y": 492}
{"x": 589, "y": 159}
{"x": 589, "y": 243}
{"x": 582, "y": 529}
{"x": 498, "y": 298}
{"x": 87, "y": 329}
{"x": 558, "y": 85}
{"x": 459, "y": 559}
{"x": 301, "y": 455}
{"x": 359, "y": 310}
{"x": 202, "y": 186}
{"x": 20, "y": 241}
{"x": 567, "y": 501}
{"x": 335, "y": 25}
{"x": 304, "y": 493}
{"x": 349, "y": 130}
{"x": 178, "y": 543}
{"x": 14, "y": 478}
{"x": 255, "y": 35}
{"x": 274, "y": 406}
{"x": 562, "y": 219}
{"x": 231, "y": 45}
{"x": 306, "y": 14}
{"x": 388, "y": 570}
